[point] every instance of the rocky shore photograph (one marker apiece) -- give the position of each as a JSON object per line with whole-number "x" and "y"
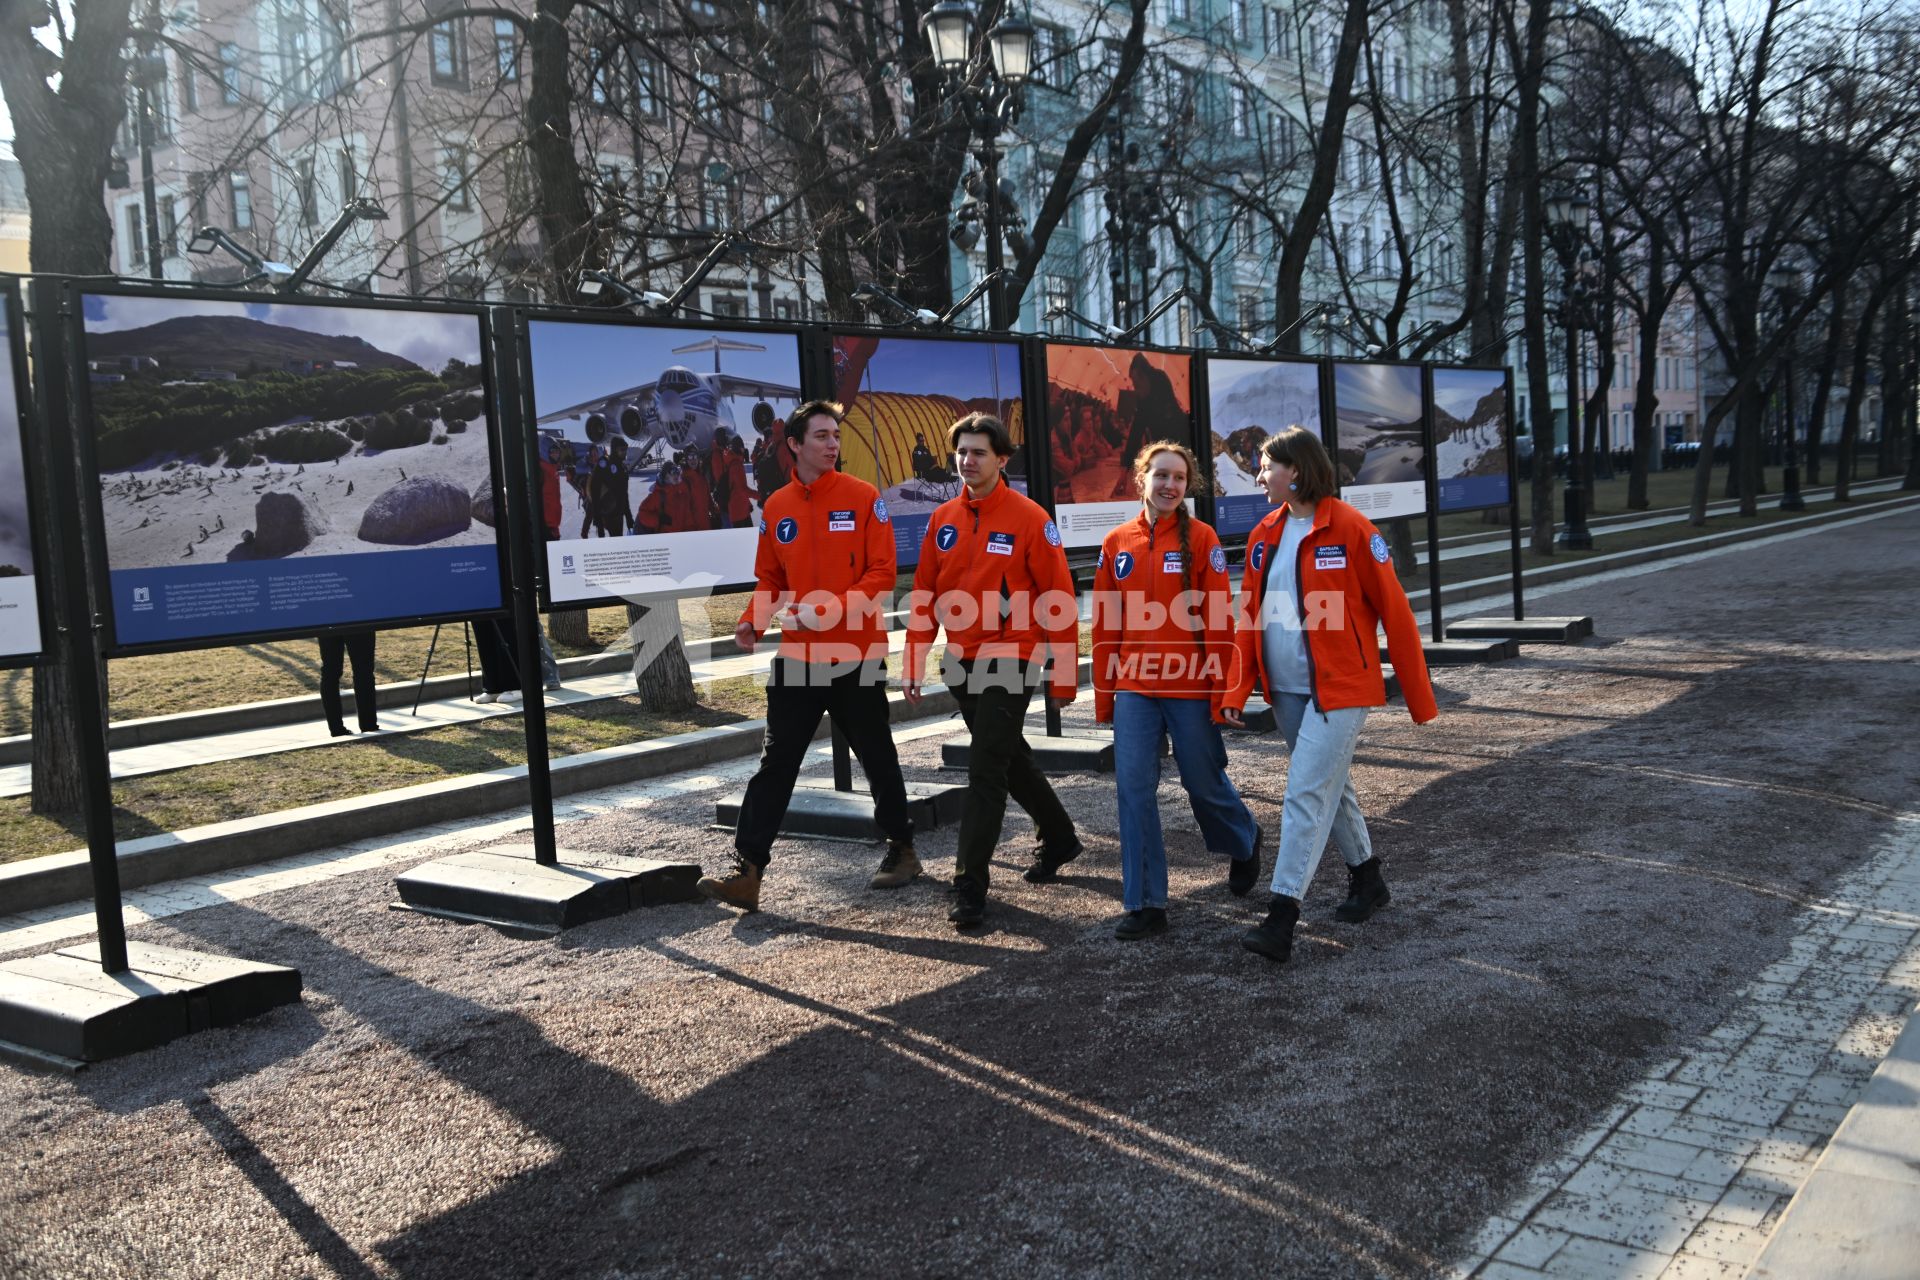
{"x": 238, "y": 431}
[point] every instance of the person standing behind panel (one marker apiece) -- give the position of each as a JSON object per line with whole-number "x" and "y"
{"x": 1319, "y": 584}
{"x": 993, "y": 573}
{"x": 336, "y": 648}
{"x": 1162, "y": 659}
{"x": 825, "y": 567}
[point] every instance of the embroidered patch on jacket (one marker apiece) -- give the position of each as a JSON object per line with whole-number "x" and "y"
{"x": 1172, "y": 562}
{"x": 1379, "y": 548}
{"x": 1329, "y": 557}
{"x": 1053, "y": 534}
{"x": 840, "y": 521}
{"x": 1123, "y": 564}
{"x": 947, "y": 536}
{"x": 880, "y": 510}
{"x": 999, "y": 544}
{"x": 1218, "y": 560}
{"x": 787, "y": 530}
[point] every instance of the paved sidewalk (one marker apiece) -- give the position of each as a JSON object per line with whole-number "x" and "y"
{"x": 1688, "y": 1173}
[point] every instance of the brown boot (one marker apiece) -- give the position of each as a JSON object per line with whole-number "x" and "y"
{"x": 739, "y": 888}
{"x": 898, "y": 868}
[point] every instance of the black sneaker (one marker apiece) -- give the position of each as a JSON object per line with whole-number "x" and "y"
{"x": 1366, "y": 892}
{"x": 1242, "y": 872}
{"x": 969, "y": 905}
{"x": 1046, "y": 864}
{"x": 1273, "y": 937}
{"x": 1143, "y": 923}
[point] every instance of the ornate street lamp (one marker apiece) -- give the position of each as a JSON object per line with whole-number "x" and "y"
{"x": 1567, "y": 214}
{"x": 988, "y": 103}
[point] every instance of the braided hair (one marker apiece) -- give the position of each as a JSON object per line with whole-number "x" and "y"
{"x": 1142, "y": 464}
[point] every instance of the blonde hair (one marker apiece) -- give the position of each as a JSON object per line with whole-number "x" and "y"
{"x": 1142, "y": 464}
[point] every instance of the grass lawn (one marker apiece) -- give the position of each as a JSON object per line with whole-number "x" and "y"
{"x": 191, "y": 797}
{"x": 162, "y": 684}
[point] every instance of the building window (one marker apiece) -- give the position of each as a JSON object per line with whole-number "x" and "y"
{"x": 728, "y": 305}
{"x": 135, "y": 248}
{"x": 189, "y": 87}
{"x": 240, "y": 192}
{"x": 786, "y": 309}
{"x": 1179, "y": 10}
{"x": 449, "y": 49}
{"x": 1280, "y": 33}
{"x": 1239, "y": 18}
{"x": 506, "y": 50}
{"x": 1247, "y": 313}
{"x": 455, "y": 178}
{"x": 1058, "y": 297}
{"x": 169, "y": 227}
{"x": 230, "y": 74}
{"x": 1285, "y": 133}
{"x": 1050, "y": 57}
{"x": 648, "y": 99}
{"x": 304, "y": 192}
{"x": 603, "y": 89}
{"x": 706, "y": 95}
{"x": 1240, "y": 101}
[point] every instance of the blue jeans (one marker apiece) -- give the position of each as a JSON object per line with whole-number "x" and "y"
{"x": 1320, "y": 798}
{"x": 1138, "y": 723}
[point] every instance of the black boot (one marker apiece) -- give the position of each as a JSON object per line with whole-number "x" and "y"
{"x": 1366, "y": 893}
{"x": 1273, "y": 937}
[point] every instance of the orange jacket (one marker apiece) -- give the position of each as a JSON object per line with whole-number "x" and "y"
{"x": 1151, "y": 634}
{"x": 1347, "y": 590}
{"x": 728, "y": 474}
{"x": 993, "y": 573}
{"x": 829, "y": 545}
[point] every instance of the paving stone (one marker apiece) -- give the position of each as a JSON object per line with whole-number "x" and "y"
{"x": 1728, "y": 1243}
{"x": 1650, "y": 1154}
{"x": 1723, "y": 1104}
{"x": 1696, "y": 1266}
{"x": 1648, "y": 1122}
{"x": 1745, "y": 1206}
{"x": 1587, "y": 1259}
{"x": 1532, "y": 1246}
{"x": 1497, "y": 1270}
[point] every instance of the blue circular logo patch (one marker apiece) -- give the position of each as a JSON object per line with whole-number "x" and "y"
{"x": 1379, "y": 548}
{"x": 787, "y": 530}
{"x": 1258, "y": 556}
{"x": 1123, "y": 564}
{"x": 947, "y": 536}
{"x": 1053, "y": 534}
{"x": 1218, "y": 560}
{"x": 880, "y": 510}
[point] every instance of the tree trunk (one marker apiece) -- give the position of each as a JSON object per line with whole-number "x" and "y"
{"x": 1896, "y": 381}
{"x": 1530, "y": 72}
{"x": 63, "y": 140}
{"x": 569, "y": 627}
{"x": 1856, "y": 393}
{"x": 661, "y": 675}
{"x": 1823, "y": 386}
{"x": 568, "y": 232}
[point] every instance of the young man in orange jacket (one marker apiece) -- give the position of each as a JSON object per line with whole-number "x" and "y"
{"x": 825, "y": 567}
{"x": 993, "y": 573}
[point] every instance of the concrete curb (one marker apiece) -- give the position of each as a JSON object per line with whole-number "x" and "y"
{"x": 1858, "y": 1212}
{"x": 63, "y": 877}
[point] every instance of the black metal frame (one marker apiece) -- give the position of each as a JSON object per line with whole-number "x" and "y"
{"x": 523, "y": 317}
{"x": 94, "y": 516}
{"x": 1434, "y": 371}
{"x": 14, "y": 314}
{"x": 1204, "y": 383}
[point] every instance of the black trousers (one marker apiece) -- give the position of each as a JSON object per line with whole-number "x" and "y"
{"x": 993, "y": 697}
{"x": 797, "y": 696}
{"x": 334, "y": 651}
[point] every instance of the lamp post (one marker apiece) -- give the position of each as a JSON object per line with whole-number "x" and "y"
{"x": 1567, "y": 231}
{"x": 1784, "y": 280}
{"x": 989, "y": 101}
{"x": 149, "y": 76}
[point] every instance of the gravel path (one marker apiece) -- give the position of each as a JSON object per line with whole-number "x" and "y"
{"x": 1591, "y": 852}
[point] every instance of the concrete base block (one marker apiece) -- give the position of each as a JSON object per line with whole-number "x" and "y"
{"x": 818, "y": 810}
{"x": 61, "y": 1010}
{"x": 1068, "y": 753}
{"x": 1525, "y": 631}
{"x": 1457, "y": 653}
{"x": 505, "y": 887}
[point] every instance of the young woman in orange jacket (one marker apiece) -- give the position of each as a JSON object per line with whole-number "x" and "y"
{"x": 1162, "y": 653}
{"x": 1318, "y": 587}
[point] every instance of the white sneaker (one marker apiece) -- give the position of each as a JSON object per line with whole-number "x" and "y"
{"x": 484, "y": 696}
{"x": 510, "y": 695}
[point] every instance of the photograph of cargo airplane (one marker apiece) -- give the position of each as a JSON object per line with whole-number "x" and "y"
{"x": 705, "y": 441}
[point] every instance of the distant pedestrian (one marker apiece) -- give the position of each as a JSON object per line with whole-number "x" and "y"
{"x": 1319, "y": 585}
{"x": 336, "y": 649}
